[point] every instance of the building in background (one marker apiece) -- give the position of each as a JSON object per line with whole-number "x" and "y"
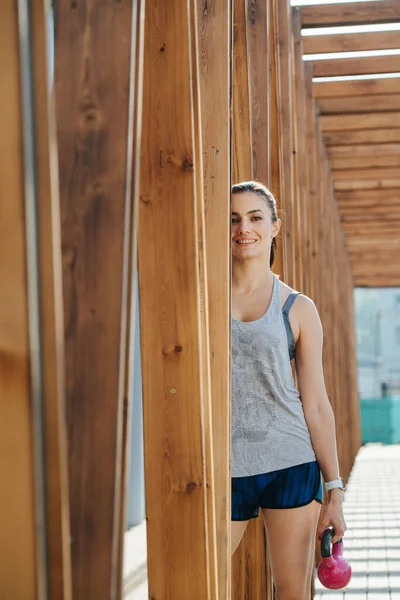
{"x": 377, "y": 315}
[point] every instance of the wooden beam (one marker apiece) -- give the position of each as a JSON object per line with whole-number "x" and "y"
{"x": 376, "y": 210}
{"x": 364, "y": 150}
{"x": 93, "y": 104}
{"x": 352, "y": 13}
{"x": 350, "y": 42}
{"x": 356, "y": 87}
{"x": 59, "y": 583}
{"x": 242, "y": 155}
{"x": 340, "y": 183}
{"x": 356, "y": 66}
{"x": 174, "y": 315}
{"x": 214, "y": 49}
{"x": 359, "y": 121}
{"x": 367, "y": 174}
{"x": 377, "y": 281}
{"x": 22, "y": 542}
{"x": 368, "y": 136}
{"x": 364, "y": 162}
{"x": 250, "y": 563}
{"x": 368, "y": 196}
{"x": 359, "y": 104}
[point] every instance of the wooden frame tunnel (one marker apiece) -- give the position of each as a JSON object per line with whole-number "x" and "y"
{"x": 155, "y": 110}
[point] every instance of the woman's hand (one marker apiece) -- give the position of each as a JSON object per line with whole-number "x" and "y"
{"x": 332, "y": 516}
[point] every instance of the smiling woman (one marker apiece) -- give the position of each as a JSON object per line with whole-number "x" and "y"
{"x": 281, "y": 437}
{"x": 266, "y": 207}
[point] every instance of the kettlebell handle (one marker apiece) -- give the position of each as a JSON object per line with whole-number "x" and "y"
{"x": 326, "y": 542}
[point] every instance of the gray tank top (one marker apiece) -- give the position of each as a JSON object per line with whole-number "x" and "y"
{"x": 269, "y": 431}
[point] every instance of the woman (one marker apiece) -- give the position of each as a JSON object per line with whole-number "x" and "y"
{"x": 282, "y": 438}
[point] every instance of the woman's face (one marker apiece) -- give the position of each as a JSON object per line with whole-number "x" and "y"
{"x": 252, "y": 226}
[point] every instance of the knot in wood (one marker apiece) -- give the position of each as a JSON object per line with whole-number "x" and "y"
{"x": 191, "y": 486}
{"x": 187, "y": 164}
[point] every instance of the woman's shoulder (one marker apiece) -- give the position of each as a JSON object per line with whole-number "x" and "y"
{"x": 303, "y": 303}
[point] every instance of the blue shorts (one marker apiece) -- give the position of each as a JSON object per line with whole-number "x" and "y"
{"x": 287, "y": 488}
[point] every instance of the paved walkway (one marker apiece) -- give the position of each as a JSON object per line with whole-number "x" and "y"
{"x": 372, "y": 541}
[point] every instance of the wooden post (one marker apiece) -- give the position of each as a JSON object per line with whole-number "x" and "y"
{"x": 214, "y": 46}
{"x": 34, "y": 550}
{"x": 174, "y": 314}
{"x": 96, "y": 106}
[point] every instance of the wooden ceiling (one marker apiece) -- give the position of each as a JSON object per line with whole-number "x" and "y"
{"x": 360, "y": 120}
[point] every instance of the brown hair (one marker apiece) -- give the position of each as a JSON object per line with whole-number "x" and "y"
{"x": 261, "y": 190}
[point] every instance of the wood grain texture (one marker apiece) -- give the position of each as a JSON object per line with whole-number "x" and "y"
{"x": 365, "y": 137}
{"x": 18, "y": 552}
{"x": 172, "y": 283}
{"x": 214, "y": 37}
{"x": 351, "y": 42}
{"x": 283, "y": 65}
{"x": 249, "y": 563}
{"x": 351, "y": 13}
{"x": 356, "y": 66}
{"x": 242, "y": 143}
{"x": 358, "y": 87}
{"x": 93, "y": 46}
{"x": 359, "y": 104}
{"x": 52, "y": 321}
{"x": 376, "y": 120}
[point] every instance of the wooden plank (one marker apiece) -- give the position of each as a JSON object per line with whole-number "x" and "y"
{"x": 350, "y": 42}
{"x": 283, "y": 65}
{"x": 359, "y": 104}
{"x": 258, "y": 50}
{"x": 351, "y": 13}
{"x": 299, "y": 154}
{"x": 341, "y": 183}
{"x": 59, "y": 582}
{"x": 360, "y": 121}
{"x": 373, "y": 174}
{"x": 22, "y": 574}
{"x": 364, "y": 162}
{"x": 374, "y": 209}
{"x": 214, "y": 64}
{"x": 129, "y": 316}
{"x": 356, "y": 66}
{"x": 173, "y": 311}
{"x": 371, "y": 136}
{"x": 364, "y": 150}
{"x": 249, "y": 563}
{"x": 356, "y": 87}
{"x": 377, "y": 281}
{"x": 242, "y": 155}
{"x": 93, "y": 109}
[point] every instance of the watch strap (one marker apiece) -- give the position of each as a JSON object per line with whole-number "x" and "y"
{"x": 336, "y": 483}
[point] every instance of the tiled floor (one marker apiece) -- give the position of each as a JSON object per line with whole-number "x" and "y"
{"x": 371, "y": 544}
{"x": 372, "y": 540}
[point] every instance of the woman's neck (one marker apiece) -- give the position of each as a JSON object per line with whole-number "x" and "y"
{"x": 250, "y": 275}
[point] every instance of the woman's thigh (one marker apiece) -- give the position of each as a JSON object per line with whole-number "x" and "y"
{"x": 291, "y": 535}
{"x": 237, "y": 531}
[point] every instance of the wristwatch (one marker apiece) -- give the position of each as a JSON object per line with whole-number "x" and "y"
{"x": 336, "y": 483}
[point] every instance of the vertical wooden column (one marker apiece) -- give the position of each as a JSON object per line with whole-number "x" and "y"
{"x": 96, "y": 109}
{"x": 214, "y": 47}
{"x": 174, "y": 313}
{"x": 34, "y": 547}
{"x": 282, "y": 35}
{"x": 251, "y": 133}
{"x": 51, "y": 312}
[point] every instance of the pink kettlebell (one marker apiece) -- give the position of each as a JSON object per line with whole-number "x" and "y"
{"x": 334, "y": 572}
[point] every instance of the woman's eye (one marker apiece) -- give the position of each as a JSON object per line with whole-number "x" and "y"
{"x": 256, "y": 218}
{"x": 235, "y": 221}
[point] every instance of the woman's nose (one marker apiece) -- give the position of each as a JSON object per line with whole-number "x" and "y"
{"x": 244, "y": 227}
